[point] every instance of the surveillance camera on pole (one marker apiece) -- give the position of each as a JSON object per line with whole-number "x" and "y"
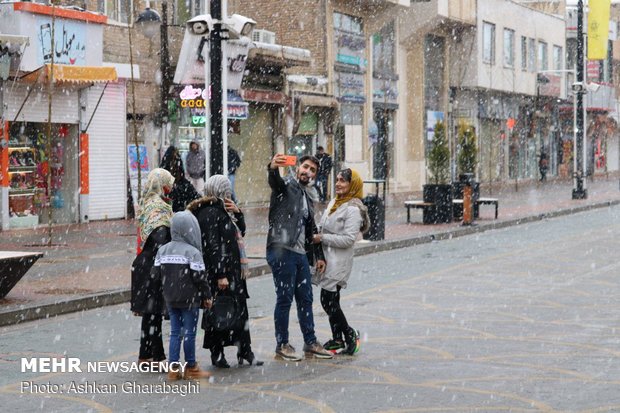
{"x": 200, "y": 25}
{"x": 239, "y": 26}
{"x": 578, "y": 87}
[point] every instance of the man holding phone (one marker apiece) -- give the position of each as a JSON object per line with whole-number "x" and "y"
{"x": 290, "y": 253}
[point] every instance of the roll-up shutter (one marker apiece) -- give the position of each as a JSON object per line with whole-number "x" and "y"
{"x": 64, "y": 101}
{"x": 107, "y": 152}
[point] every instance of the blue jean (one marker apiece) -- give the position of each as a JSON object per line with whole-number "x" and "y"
{"x": 291, "y": 277}
{"x": 183, "y": 325}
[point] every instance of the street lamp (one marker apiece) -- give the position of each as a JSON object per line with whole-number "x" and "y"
{"x": 148, "y": 21}
{"x": 579, "y": 185}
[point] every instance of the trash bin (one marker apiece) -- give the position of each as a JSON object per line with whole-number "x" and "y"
{"x": 376, "y": 214}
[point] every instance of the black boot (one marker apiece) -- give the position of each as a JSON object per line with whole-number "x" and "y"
{"x": 218, "y": 360}
{"x": 250, "y": 358}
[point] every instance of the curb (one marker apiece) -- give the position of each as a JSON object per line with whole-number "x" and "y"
{"x": 106, "y": 298}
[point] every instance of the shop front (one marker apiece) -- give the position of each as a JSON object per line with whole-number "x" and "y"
{"x": 48, "y": 164}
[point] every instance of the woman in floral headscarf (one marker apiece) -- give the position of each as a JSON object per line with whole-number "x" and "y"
{"x": 340, "y": 225}
{"x": 222, "y": 226}
{"x": 154, "y": 227}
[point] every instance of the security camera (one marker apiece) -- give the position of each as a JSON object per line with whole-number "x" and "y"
{"x": 578, "y": 87}
{"x": 239, "y": 25}
{"x": 200, "y": 25}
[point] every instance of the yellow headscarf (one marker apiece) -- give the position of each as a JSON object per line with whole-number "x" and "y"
{"x": 356, "y": 190}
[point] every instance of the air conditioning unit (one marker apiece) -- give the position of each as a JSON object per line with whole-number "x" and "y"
{"x": 264, "y": 36}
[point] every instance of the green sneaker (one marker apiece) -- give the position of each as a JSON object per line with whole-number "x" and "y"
{"x": 334, "y": 346}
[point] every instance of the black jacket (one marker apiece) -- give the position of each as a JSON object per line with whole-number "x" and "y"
{"x": 183, "y": 192}
{"x": 220, "y": 249}
{"x": 285, "y": 211}
{"x": 146, "y": 296}
{"x": 325, "y": 164}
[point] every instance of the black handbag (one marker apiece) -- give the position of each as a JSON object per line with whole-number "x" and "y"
{"x": 224, "y": 314}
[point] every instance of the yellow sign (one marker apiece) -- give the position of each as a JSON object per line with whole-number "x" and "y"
{"x": 598, "y": 29}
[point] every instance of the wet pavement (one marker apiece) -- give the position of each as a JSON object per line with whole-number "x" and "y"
{"x": 88, "y": 265}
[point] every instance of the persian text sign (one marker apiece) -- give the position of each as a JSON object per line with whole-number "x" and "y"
{"x": 69, "y": 42}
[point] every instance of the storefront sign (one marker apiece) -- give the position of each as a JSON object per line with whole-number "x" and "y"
{"x": 350, "y": 88}
{"x": 78, "y": 35}
{"x": 195, "y": 99}
{"x": 350, "y": 63}
{"x": 69, "y": 42}
{"x": 195, "y": 51}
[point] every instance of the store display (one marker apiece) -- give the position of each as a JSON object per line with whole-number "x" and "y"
{"x": 29, "y": 165}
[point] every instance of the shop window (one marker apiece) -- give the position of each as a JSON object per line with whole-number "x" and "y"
{"x": 29, "y": 165}
{"x": 308, "y": 124}
{"x": 116, "y": 10}
{"x": 383, "y": 51}
{"x": 351, "y": 114}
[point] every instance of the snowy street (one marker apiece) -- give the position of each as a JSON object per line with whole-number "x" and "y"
{"x": 520, "y": 319}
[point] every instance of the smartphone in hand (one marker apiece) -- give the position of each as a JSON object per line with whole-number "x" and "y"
{"x": 291, "y": 160}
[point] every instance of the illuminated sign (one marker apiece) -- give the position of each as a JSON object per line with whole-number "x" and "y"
{"x": 195, "y": 98}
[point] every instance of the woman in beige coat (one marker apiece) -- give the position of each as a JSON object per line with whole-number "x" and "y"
{"x": 342, "y": 221}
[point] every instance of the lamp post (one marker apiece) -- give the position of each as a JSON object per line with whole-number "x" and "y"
{"x": 579, "y": 185}
{"x": 149, "y": 21}
{"x": 217, "y": 109}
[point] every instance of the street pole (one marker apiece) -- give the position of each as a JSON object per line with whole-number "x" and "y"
{"x": 216, "y": 144}
{"x": 165, "y": 68}
{"x": 579, "y": 190}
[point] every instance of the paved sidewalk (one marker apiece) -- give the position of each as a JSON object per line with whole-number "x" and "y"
{"x": 89, "y": 264}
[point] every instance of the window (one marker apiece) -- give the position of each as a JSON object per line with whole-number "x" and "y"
{"x": 383, "y": 53}
{"x": 543, "y": 62}
{"x": 488, "y": 42}
{"x": 186, "y": 9}
{"x": 116, "y": 10}
{"x": 523, "y": 53}
{"x": 509, "y": 48}
{"x": 557, "y": 57}
{"x": 347, "y": 23}
{"x": 531, "y": 62}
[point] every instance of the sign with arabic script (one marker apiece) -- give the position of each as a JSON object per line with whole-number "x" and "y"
{"x": 69, "y": 42}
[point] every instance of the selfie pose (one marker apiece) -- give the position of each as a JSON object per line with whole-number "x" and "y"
{"x": 340, "y": 225}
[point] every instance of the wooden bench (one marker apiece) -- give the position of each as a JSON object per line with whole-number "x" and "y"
{"x": 416, "y": 204}
{"x": 482, "y": 201}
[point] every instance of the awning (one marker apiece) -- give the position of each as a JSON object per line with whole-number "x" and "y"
{"x": 326, "y": 106}
{"x": 317, "y": 101}
{"x": 75, "y": 75}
